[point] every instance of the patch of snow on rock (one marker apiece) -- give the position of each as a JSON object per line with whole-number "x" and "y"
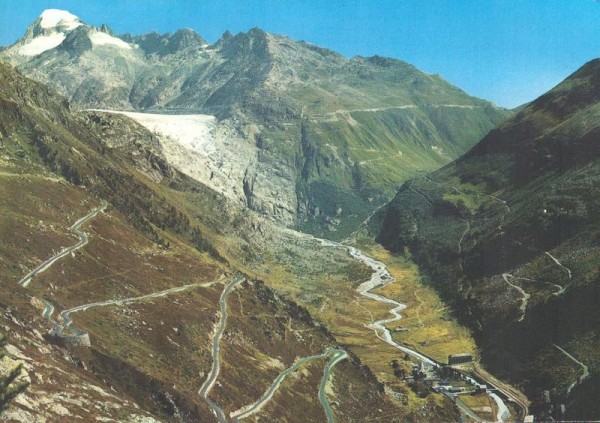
{"x": 100, "y": 38}
{"x": 42, "y": 43}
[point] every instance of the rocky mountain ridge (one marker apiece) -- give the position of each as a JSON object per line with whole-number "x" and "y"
{"x": 343, "y": 133}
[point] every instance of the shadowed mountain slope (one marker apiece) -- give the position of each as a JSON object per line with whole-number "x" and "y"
{"x": 509, "y": 235}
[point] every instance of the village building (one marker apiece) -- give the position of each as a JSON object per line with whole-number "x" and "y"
{"x": 459, "y": 358}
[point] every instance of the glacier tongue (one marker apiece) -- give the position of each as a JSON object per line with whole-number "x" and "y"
{"x": 191, "y": 131}
{"x": 219, "y": 156}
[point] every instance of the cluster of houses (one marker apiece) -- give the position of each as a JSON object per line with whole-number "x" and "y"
{"x": 446, "y": 379}
{"x": 449, "y": 380}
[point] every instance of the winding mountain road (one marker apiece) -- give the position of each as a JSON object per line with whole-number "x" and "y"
{"x": 566, "y": 269}
{"x": 337, "y": 356}
{"x": 67, "y": 322}
{"x": 48, "y": 311}
{"x": 216, "y": 363}
{"x": 246, "y": 411}
{"x": 524, "y": 295}
{"x": 504, "y": 203}
{"x": 585, "y": 369}
{"x": 83, "y": 240}
{"x": 379, "y": 278}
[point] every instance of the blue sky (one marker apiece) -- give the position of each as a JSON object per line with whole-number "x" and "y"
{"x": 506, "y": 51}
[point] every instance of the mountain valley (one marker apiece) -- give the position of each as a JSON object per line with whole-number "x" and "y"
{"x": 133, "y": 250}
{"x": 262, "y": 229}
{"x": 507, "y": 234}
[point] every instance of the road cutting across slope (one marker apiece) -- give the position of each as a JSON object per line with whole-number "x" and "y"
{"x": 216, "y": 356}
{"x": 83, "y": 240}
{"x": 585, "y": 369}
{"x": 337, "y": 355}
{"x": 67, "y": 322}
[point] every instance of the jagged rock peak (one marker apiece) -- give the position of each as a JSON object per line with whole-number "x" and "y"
{"x": 185, "y": 38}
{"x": 106, "y": 29}
{"x": 257, "y": 32}
{"x": 255, "y": 40}
{"x": 227, "y": 35}
{"x": 225, "y": 38}
{"x": 165, "y": 44}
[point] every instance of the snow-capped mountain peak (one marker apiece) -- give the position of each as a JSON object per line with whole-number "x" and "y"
{"x": 55, "y": 18}
{"x": 47, "y": 32}
{"x": 53, "y": 27}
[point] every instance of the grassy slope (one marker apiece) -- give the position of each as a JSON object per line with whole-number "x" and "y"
{"x": 143, "y": 243}
{"x": 362, "y": 137}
